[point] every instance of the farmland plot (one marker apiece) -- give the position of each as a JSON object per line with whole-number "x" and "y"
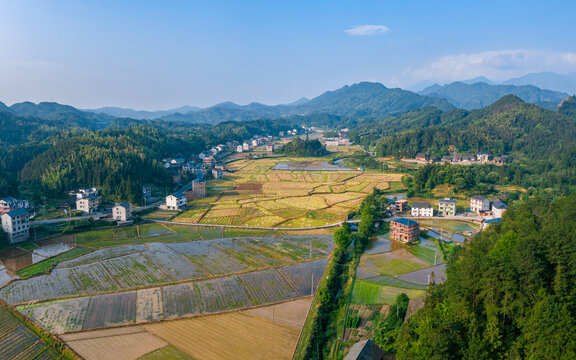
{"x": 267, "y": 286}
{"x": 226, "y": 293}
{"x": 179, "y": 300}
{"x": 237, "y": 249}
{"x": 318, "y": 242}
{"x": 102, "y": 254}
{"x": 209, "y": 258}
{"x": 172, "y": 263}
{"x": 152, "y": 230}
{"x": 110, "y": 309}
{"x": 93, "y": 278}
{"x": 59, "y": 316}
{"x": 60, "y": 283}
{"x": 135, "y": 270}
{"x": 149, "y": 306}
{"x": 304, "y": 276}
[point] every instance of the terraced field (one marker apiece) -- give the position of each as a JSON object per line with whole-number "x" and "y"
{"x": 197, "y": 297}
{"x": 265, "y": 197}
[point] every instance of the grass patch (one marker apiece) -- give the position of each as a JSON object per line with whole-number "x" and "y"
{"x": 45, "y": 266}
{"x": 368, "y": 293}
{"x": 166, "y": 353}
{"x": 392, "y": 281}
{"x": 425, "y": 254}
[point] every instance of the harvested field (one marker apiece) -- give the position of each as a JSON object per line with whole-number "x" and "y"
{"x": 110, "y": 310}
{"x": 172, "y": 263}
{"x": 124, "y": 343}
{"x": 291, "y": 314}
{"x": 228, "y": 336}
{"x": 179, "y": 300}
{"x": 102, "y": 254}
{"x": 304, "y": 277}
{"x": 226, "y": 293}
{"x": 60, "y": 283}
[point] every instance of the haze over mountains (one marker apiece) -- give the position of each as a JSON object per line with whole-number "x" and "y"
{"x": 361, "y": 101}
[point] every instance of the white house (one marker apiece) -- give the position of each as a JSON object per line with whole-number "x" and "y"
{"x": 122, "y": 211}
{"x": 479, "y": 204}
{"x": 217, "y": 173}
{"x": 498, "y": 208}
{"x": 176, "y": 201}
{"x": 422, "y": 209}
{"x": 82, "y": 193}
{"x": 239, "y": 148}
{"x": 16, "y": 225}
{"x": 245, "y": 146}
{"x": 87, "y": 204}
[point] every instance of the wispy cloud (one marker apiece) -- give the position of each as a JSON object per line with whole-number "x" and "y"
{"x": 497, "y": 65}
{"x": 366, "y": 30}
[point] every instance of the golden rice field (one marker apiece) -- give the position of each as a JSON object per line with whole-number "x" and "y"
{"x": 255, "y": 195}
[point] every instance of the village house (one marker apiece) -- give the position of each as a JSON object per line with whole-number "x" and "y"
{"x": 498, "y": 209}
{"x": 483, "y": 158}
{"x": 404, "y": 230}
{"x": 219, "y": 166}
{"x": 399, "y": 206}
{"x": 421, "y": 157}
{"x": 422, "y": 209}
{"x": 239, "y": 148}
{"x": 479, "y": 204}
{"x": 82, "y": 193}
{"x": 245, "y": 146}
{"x": 209, "y": 161}
{"x": 447, "y": 207}
{"x": 88, "y": 204}
{"x": 16, "y": 225}
{"x": 177, "y": 162}
{"x": 147, "y": 194}
{"x": 254, "y": 143}
{"x": 269, "y": 147}
{"x": 9, "y": 203}
{"x": 214, "y": 151}
{"x": 122, "y": 211}
{"x": 217, "y": 173}
{"x": 199, "y": 188}
{"x": 176, "y": 201}
{"x": 188, "y": 167}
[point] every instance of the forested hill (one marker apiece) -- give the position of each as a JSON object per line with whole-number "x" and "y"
{"x": 480, "y": 94}
{"x": 363, "y": 100}
{"x": 509, "y": 294}
{"x": 509, "y": 126}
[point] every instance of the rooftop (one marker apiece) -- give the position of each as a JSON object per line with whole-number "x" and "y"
{"x": 420, "y": 205}
{"x": 478, "y": 197}
{"x": 365, "y": 350}
{"x": 499, "y": 205}
{"x": 405, "y": 221}
{"x": 447, "y": 201}
{"x": 17, "y": 212}
{"x": 123, "y": 204}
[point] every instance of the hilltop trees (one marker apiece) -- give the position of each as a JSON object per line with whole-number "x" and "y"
{"x": 511, "y": 293}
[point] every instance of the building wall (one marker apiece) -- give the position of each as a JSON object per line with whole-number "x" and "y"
{"x": 16, "y": 228}
{"x": 423, "y": 212}
{"x": 446, "y": 209}
{"x": 404, "y": 233}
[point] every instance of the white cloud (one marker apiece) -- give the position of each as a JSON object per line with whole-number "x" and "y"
{"x": 495, "y": 65}
{"x": 365, "y": 30}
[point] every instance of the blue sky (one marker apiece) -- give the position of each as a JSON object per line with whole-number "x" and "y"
{"x": 164, "y": 54}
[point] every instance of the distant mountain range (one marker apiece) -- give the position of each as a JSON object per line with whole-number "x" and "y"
{"x": 469, "y": 95}
{"x": 365, "y": 99}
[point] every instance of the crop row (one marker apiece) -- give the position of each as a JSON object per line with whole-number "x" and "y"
{"x": 179, "y": 300}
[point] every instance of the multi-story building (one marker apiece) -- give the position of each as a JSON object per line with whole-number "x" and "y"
{"x": 404, "y": 230}
{"x": 199, "y": 188}
{"x": 9, "y": 203}
{"x": 209, "y": 161}
{"x": 16, "y": 225}
{"x": 122, "y": 211}
{"x": 88, "y": 204}
{"x": 447, "y": 207}
{"x": 498, "y": 209}
{"x": 82, "y": 193}
{"x": 479, "y": 204}
{"x": 176, "y": 201}
{"x": 217, "y": 173}
{"x": 422, "y": 209}
{"x": 400, "y": 206}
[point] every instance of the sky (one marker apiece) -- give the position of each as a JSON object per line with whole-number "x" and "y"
{"x": 164, "y": 54}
